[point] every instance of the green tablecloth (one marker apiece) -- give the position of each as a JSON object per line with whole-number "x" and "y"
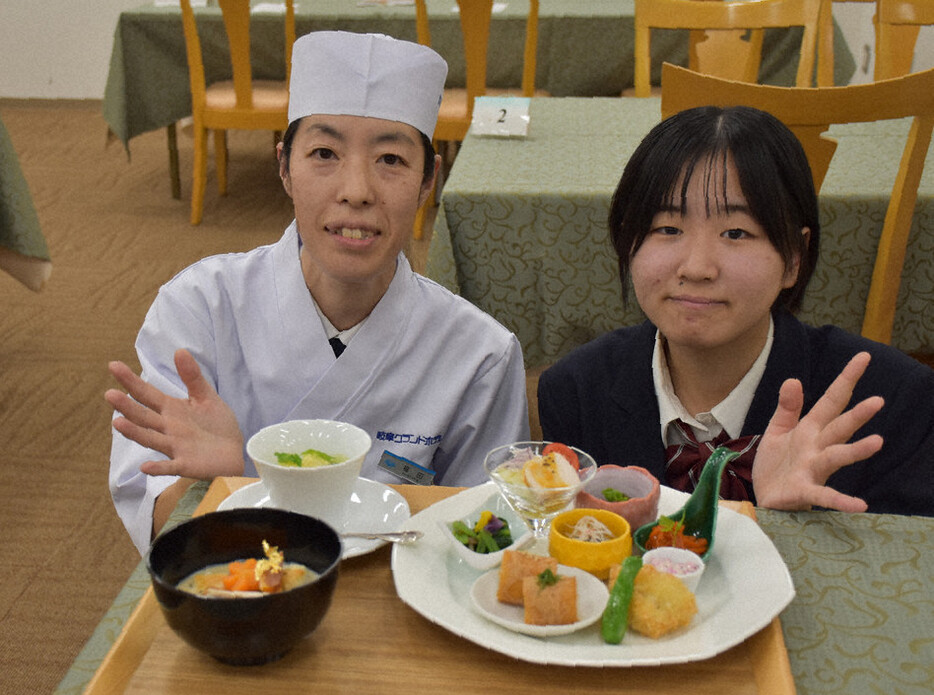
{"x": 860, "y": 622}
{"x": 585, "y": 48}
{"x": 23, "y": 251}
{"x": 522, "y": 232}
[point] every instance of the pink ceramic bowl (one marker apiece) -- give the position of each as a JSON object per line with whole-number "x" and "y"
{"x": 638, "y": 484}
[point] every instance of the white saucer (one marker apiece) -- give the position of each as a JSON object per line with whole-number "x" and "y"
{"x": 373, "y": 507}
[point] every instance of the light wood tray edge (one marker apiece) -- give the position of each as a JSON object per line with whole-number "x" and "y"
{"x": 137, "y": 636}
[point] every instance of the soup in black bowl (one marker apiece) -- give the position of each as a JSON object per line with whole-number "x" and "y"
{"x": 245, "y": 630}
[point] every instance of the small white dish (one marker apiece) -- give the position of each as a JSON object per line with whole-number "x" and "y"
{"x": 684, "y": 564}
{"x": 592, "y": 596}
{"x": 373, "y": 507}
{"x": 521, "y": 536}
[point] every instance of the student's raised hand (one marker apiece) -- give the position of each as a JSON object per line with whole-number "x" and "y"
{"x": 796, "y": 455}
{"x": 199, "y": 434}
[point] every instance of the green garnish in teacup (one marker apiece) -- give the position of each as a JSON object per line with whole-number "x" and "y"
{"x": 310, "y": 458}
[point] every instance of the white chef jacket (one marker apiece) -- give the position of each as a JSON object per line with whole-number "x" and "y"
{"x": 429, "y": 376}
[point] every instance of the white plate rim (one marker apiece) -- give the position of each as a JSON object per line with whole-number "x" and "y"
{"x": 393, "y": 510}
{"x": 592, "y": 596}
{"x": 746, "y": 584}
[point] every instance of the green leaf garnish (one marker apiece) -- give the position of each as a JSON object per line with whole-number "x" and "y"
{"x": 669, "y": 525}
{"x": 288, "y": 459}
{"x": 547, "y": 578}
{"x": 613, "y": 495}
{"x": 315, "y": 454}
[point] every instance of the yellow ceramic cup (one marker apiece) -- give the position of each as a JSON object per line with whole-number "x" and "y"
{"x": 596, "y": 558}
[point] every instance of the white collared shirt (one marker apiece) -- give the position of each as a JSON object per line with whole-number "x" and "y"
{"x": 728, "y": 415}
{"x": 345, "y": 336}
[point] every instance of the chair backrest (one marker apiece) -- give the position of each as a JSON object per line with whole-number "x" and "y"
{"x": 236, "y": 14}
{"x": 475, "y": 18}
{"x": 809, "y": 113}
{"x": 719, "y": 16}
{"x": 825, "y": 42}
{"x": 897, "y": 26}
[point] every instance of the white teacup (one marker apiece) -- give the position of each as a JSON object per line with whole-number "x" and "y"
{"x": 323, "y": 491}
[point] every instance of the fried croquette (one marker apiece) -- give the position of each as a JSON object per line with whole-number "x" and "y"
{"x": 660, "y": 604}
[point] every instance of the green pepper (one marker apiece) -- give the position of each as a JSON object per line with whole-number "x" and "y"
{"x": 485, "y": 542}
{"x": 616, "y": 614}
{"x": 463, "y": 533}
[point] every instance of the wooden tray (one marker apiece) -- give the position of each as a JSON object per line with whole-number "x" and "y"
{"x": 371, "y": 642}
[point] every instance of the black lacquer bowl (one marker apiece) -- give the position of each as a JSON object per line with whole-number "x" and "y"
{"x": 245, "y": 631}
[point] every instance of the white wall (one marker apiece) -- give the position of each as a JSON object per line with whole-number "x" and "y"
{"x": 57, "y": 49}
{"x": 855, "y": 20}
{"x": 60, "y": 49}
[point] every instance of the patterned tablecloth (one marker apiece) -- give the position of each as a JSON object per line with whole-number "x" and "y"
{"x": 860, "y": 622}
{"x": 23, "y": 251}
{"x": 522, "y": 231}
{"x": 585, "y": 48}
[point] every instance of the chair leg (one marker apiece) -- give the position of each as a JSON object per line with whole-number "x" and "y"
{"x": 220, "y": 159}
{"x": 200, "y": 173}
{"x": 174, "y": 178}
{"x": 420, "y": 215}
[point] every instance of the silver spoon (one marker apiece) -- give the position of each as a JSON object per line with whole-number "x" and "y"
{"x": 401, "y": 537}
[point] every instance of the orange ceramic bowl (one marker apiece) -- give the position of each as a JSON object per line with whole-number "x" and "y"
{"x": 596, "y": 558}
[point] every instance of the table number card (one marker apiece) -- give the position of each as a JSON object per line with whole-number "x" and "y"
{"x": 501, "y": 116}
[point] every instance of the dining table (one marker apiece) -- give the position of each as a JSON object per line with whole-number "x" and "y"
{"x": 859, "y": 622}
{"x": 521, "y": 229}
{"x": 24, "y": 253}
{"x": 585, "y": 48}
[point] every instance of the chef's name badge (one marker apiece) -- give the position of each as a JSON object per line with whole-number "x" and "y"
{"x": 409, "y": 471}
{"x": 500, "y": 116}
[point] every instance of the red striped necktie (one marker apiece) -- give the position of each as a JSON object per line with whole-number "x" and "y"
{"x": 685, "y": 461}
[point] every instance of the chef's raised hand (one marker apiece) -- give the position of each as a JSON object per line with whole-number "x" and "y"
{"x": 797, "y": 455}
{"x": 199, "y": 434}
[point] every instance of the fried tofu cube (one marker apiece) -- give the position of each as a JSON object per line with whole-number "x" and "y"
{"x": 552, "y": 604}
{"x": 515, "y": 567}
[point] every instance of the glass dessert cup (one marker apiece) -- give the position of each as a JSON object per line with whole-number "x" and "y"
{"x": 536, "y": 505}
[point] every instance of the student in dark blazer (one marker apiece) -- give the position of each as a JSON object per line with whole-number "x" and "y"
{"x": 715, "y": 223}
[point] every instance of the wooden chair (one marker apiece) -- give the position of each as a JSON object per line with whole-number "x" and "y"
{"x": 809, "y": 113}
{"x": 897, "y": 25}
{"x": 457, "y": 103}
{"x": 825, "y": 42}
{"x": 238, "y": 104}
{"x": 722, "y": 54}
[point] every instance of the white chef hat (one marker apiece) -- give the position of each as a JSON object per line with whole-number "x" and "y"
{"x": 342, "y": 73}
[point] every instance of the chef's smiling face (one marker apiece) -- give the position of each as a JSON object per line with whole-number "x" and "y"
{"x": 356, "y": 184}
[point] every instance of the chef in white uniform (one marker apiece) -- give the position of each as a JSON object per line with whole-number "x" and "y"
{"x": 240, "y": 341}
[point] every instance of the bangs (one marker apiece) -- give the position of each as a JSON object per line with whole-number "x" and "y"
{"x": 713, "y": 168}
